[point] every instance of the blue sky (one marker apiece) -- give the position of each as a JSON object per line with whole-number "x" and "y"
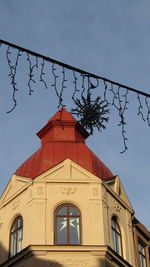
{"x": 108, "y": 38}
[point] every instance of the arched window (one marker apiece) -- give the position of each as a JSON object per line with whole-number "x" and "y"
{"x": 116, "y": 236}
{"x": 16, "y": 236}
{"x": 67, "y": 225}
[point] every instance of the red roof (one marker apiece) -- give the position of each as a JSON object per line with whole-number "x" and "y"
{"x": 62, "y": 138}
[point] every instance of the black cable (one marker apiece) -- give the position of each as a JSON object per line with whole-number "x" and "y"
{"x": 73, "y": 68}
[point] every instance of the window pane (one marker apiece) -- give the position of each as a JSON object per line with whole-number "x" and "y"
{"x": 142, "y": 255}
{"x": 114, "y": 239}
{"x": 67, "y": 225}
{"x": 113, "y": 223}
{"x": 118, "y": 244}
{"x": 62, "y": 211}
{"x": 142, "y": 261}
{"x": 19, "y": 243}
{"x": 74, "y": 231}
{"x": 20, "y": 222}
{"x": 142, "y": 249}
{"x": 73, "y": 211}
{"x": 61, "y": 230}
{"x": 116, "y": 236}
{"x": 14, "y": 227}
{"x": 16, "y": 236}
{"x": 13, "y": 244}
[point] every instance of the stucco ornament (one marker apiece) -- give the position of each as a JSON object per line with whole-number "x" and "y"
{"x": 116, "y": 206}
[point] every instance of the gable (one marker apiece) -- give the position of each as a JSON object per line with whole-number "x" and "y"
{"x": 68, "y": 171}
{"x": 15, "y": 185}
{"x": 116, "y": 185}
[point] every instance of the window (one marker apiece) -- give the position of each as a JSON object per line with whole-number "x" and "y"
{"x": 116, "y": 236}
{"x": 16, "y": 236}
{"x": 67, "y": 225}
{"x": 142, "y": 255}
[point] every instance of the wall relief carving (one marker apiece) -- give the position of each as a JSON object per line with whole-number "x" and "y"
{"x": 15, "y": 204}
{"x": 76, "y": 262}
{"x": 40, "y": 190}
{"x": 116, "y": 206}
{"x": 68, "y": 190}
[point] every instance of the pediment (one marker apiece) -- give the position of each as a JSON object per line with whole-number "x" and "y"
{"x": 68, "y": 171}
{"x": 15, "y": 185}
{"x": 124, "y": 196}
{"x": 116, "y": 185}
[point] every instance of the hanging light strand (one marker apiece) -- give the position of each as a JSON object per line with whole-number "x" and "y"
{"x": 148, "y": 110}
{"x": 83, "y": 86}
{"x": 55, "y": 83}
{"x": 105, "y": 92}
{"x": 75, "y": 85}
{"x": 69, "y": 67}
{"x": 12, "y": 75}
{"x": 140, "y": 108}
{"x": 31, "y": 75}
{"x": 122, "y": 109}
{"x": 63, "y": 86}
{"x": 42, "y": 74}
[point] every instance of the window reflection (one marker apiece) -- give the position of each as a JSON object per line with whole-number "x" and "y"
{"x": 116, "y": 236}
{"x": 142, "y": 255}
{"x": 16, "y": 236}
{"x": 67, "y": 223}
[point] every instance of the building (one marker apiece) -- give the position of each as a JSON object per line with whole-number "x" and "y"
{"x": 64, "y": 207}
{"x": 141, "y": 243}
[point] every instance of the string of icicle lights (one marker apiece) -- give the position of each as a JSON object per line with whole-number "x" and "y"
{"x": 91, "y": 111}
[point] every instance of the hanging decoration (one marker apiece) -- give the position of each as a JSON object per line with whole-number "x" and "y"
{"x": 92, "y": 95}
{"x": 91, "y": 112}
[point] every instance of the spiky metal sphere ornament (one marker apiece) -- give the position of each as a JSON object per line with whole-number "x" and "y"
{"x": 91, "y": 112}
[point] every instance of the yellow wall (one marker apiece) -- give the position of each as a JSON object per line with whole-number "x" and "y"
{"x": 36, "y": 200}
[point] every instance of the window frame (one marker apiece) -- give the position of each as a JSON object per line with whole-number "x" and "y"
{"x": 11, "y": 234}
{"x": 118, "y": 236}
{"x": 141, "y": 243}
{"x": 67, "y": 215}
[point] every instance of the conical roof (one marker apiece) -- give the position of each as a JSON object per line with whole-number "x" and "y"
{"x": 62, "y": 138}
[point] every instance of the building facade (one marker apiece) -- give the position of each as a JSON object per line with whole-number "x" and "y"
{"x": 64, "y": 207}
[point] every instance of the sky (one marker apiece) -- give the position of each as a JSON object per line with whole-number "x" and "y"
{"x": 108, "y": 38}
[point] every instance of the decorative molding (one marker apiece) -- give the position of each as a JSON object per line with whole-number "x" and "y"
{"x": 116, "y": 206}
{"x": 36, "y": 200}
{"x": 68, "y": 190}
{"x": 40, "y": 190}
{"x": 15, "y": 204}
{"x": 39, "y": 209}
{"x": 105, "y": 196}
{"x": 130, "y": 224}
{"x": 105, "y": 204}
{"x": 30, "y": 192}
{"x": 76, "y": 262}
